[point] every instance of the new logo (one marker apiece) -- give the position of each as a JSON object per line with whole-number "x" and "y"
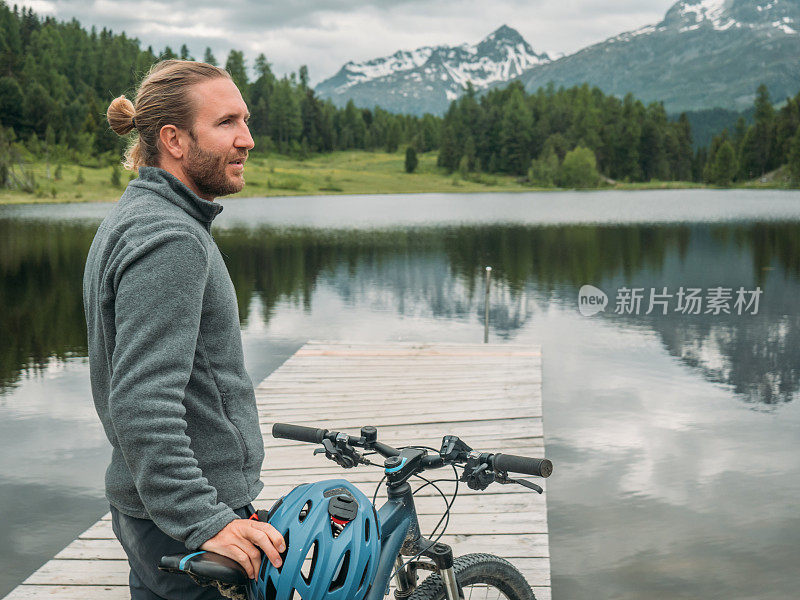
{"x": 591, "y": 300}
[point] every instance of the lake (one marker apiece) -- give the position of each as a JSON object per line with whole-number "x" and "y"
{"x": 671, "y": 416}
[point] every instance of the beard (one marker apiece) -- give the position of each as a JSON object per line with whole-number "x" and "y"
{"x": 208, "y": 171}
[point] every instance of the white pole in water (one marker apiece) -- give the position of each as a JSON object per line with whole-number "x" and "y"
{"x": 486, "y": 306}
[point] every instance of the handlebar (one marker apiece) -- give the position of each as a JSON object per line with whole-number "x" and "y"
{"x": 300, "y": 433}
{"x": 539, "y": 467}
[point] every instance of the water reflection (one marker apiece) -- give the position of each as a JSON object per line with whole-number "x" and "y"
{"x": 41, "y": 311}
{"x": 438, "y": 273}
{"x": 649, "y": 418}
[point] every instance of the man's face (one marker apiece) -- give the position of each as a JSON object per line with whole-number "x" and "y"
{"x": 220, "y": 139}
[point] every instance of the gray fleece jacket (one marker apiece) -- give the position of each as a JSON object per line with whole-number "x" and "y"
{"x": 166, "y": 363}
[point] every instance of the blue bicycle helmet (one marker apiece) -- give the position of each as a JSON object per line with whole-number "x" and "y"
{"x": 334, "y": 524}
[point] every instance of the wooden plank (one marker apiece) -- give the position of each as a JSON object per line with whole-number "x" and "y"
{"x": 527, "y": 545}
{"x": 99, "y": 531}
{"x": 420, "y": 352}
{"x": 76, "y": 592}
{"x": 81, "y": 572}
{"x": 121, "y": 592}
{"x": 347, "y": 404}
{"x": 489, "y": 395}
{"x": 93, "y": 549}
{"x": 388, "y": 420}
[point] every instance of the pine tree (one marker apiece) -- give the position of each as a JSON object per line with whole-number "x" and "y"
{"x": 469, "y": 153}
{"x": 699, "y": 164}
{"x": 235, "y": 65}
{"x": 5, "y": 159}
{"x": 208, "y": 57}
{"x": 303, "y": 77}
{"x": 682, "y": 170}
{"x": 12, "y": 102}
{"x": 515, "y": 133}
{"x": 756, "y": 156}
{"x": 652, "y": 152}
{"x": 794, "y": 159}
{"x": 724, "y": 167}
{"x": 411, "y": 160}
{"x": 393, "y": 137}
{"x": 448, "y": 151}
{"x": 284, "y": 112}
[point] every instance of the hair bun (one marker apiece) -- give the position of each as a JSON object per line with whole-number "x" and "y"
{"x": 120, "y": 115}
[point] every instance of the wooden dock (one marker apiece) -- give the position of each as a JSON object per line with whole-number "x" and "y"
{"x": 489, "y": 395}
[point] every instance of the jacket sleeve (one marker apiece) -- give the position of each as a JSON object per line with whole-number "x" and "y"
{"x": 158, "y": 302}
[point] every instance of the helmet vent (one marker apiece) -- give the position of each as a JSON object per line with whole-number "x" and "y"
{"x": 264, "y": 564}
{"x": 364, "y": 575}
{"x": 341, "y": 573}
{"x": 310, "y": 562}
{"x": 366, "y": 530}
{"x": 285, "y": 552}
{"x": 271, "y": 592}
{"x": 304, "y": 511}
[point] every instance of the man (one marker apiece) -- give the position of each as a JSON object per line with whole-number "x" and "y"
{"x": 165, "y": 349}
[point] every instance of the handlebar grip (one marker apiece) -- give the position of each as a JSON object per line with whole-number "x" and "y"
{"x": 301, "y": 433}
{"x": 541, "y": 467}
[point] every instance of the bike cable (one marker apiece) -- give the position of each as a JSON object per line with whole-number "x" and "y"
{"x": 446, "y": 515}
{"x": 448, "y": 505}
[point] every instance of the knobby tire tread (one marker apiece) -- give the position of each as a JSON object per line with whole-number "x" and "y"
{"x": 479, "y": 568}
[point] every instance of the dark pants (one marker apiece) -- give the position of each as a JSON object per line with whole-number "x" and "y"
{"x": 145, "y": 544}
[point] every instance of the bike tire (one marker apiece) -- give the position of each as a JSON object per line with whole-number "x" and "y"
{"x": 479, "y": 570}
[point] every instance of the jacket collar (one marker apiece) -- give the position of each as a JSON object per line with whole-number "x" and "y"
{"x": 173, "y": 189}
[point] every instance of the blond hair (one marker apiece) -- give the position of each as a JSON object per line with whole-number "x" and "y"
{"x": 162, "y": 99}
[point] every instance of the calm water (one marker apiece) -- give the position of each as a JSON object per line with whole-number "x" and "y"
{"x": 675, "y": 437}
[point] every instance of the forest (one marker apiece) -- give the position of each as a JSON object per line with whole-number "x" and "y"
{"x": 57, "y": 79}
{"x": 509, "y": 130}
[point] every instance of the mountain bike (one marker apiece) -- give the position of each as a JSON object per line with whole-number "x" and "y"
{"x": 404, "y": 550}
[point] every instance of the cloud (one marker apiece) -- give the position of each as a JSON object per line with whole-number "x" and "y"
{"x": 325, "y": 35}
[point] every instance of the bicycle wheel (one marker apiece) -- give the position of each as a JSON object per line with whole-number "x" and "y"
{"x": 482, "y": 577}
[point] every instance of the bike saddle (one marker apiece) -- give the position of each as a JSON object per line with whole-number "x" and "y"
{"x": 205, "y": 566}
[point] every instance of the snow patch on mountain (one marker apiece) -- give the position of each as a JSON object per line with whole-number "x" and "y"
{"x": 718, "y": 15}
{"x": 500, "y": 56}
{"x": 380, "y": 67}
{"x": 783, "y": 26}
{"x": 707, "y": 10}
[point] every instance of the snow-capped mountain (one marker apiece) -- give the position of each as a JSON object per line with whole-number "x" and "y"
{"x": 428, "y": 78}
{"x": 705, "y": 53}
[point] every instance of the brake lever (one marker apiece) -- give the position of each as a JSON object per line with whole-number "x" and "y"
{"x": 504, "y": 479}
{"x": 343, "y": 454}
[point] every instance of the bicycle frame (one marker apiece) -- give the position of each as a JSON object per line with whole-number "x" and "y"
{"x": 397, "y": 518}
{"x": 400, "y": 535}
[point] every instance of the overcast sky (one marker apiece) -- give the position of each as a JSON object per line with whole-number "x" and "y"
{"x": 326, "y": 34}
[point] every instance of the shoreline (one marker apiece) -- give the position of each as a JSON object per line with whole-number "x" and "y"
{"x": 341, "y": 173}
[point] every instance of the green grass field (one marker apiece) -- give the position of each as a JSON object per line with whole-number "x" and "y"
{"x": 351, "y": 172}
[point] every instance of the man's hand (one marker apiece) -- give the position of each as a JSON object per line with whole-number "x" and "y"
{"x": 241, "y": 539}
